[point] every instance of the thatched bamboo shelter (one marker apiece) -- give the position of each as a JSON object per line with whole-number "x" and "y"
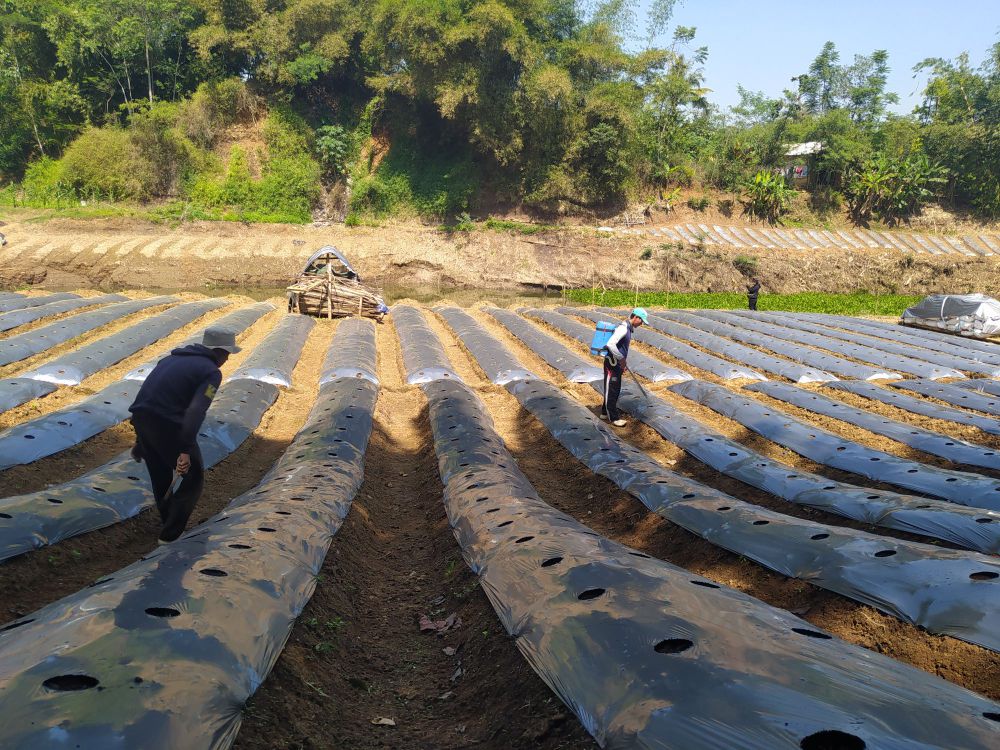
{"x": 329, "y": 287}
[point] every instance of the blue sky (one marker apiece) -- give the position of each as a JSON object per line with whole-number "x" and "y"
{"x": 762, "y": 44}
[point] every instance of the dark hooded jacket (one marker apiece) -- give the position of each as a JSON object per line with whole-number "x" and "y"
{"x": 180, "y": 389}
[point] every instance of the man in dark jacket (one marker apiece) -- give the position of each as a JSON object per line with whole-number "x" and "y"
{"x": 753, "y": 289}
{"x": 167, "y": 414}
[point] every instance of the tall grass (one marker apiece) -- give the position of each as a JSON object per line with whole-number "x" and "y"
{"x": 859, "y": 303}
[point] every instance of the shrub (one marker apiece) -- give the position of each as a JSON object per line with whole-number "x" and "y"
{"x": 646, "y": 254}
{"x": 731, "y": 157}
{"x": 428, "y": 180}
{"x": 766, "y": 197}
{"x": 43, "y": 185}
{"x": 216, "y": 105}
{"x": 173, "y": 156}
{"x": 971, "y": 152}
{"x": 379, "y": 195}
{"x": 825, "y": 200}
{"x": 289, "y": 185}
{"x": 237, "y": 188}
{"x": 890, "y": 188}
{"x": 288, "y": 189}
{"x": 601, "y": 156}
{"x": 845, "y": 144}
{"x": 700, "y": 203}
{"x": 746, "y": 265}
{"x": 104, "y": 164}
{"x": 333, "y": 146}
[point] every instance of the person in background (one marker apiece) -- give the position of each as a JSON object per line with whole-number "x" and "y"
{"x": 753, "y": 289}
{"x": 615, "y": 365}
{"x": 167, "y": 414}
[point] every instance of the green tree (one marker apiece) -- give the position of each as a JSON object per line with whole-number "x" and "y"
{"x": 675, "y": 98}
{"x": 44, "y": 110}
{"x": 866, "y": 96}
{"x": 858, "y": 88}
{"x": 821, "y": 88}
{"x": 756, "y": 108}
{"x": 961, "y": 117}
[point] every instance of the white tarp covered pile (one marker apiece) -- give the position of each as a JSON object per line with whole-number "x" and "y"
{"x": 966, "y": 314}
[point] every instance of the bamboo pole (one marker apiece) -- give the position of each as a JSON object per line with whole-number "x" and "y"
{"x": 329, "y": 291}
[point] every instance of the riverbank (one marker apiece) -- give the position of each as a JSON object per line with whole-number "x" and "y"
{"x": 126, "y": 253}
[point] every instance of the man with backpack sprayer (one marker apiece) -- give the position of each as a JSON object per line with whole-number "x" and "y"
{"x": 615, "y": 351}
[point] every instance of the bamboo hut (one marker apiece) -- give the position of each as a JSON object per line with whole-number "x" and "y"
{"x": 329, "y": 287}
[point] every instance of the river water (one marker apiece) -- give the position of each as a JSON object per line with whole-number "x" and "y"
{"x": 426, "y": 295}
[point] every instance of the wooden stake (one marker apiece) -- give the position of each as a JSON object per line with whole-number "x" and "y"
{"x": 329, "y": 291}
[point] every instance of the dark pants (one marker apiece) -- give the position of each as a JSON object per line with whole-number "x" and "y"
{"x": 612, "y": 389}
{"x": 157, "y": 442}
{"x": 752, "y": 301}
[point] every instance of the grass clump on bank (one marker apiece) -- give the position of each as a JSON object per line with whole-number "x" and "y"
{"x": 859, "y": 303}
{"x": 518, "y": 227}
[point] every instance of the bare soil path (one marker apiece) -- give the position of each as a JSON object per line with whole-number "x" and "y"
{"x": 358, "y": 644}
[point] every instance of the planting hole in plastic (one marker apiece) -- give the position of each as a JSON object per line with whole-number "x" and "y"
{"x": 162, "y": 612}
{"x": 71, "y": 682}
{"x": 673, "y": 646}
{"x": 811, "y": 633}
{"x": 832, "y": 739}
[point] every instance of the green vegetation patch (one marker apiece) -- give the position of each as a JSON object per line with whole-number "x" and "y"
{"x": 288, "y": 186}
{"x": 519, "y": 227}
{"x": 860, "y": 303}
{"x": 414, "y": 179}
{"x": 438, "y": 107}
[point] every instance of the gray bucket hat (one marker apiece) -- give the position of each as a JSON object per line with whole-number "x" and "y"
{"x": 220, "y": 338}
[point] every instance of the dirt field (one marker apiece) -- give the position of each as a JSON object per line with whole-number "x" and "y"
{"x": 357, "y": 654}
{"x": 125, "y": 253}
